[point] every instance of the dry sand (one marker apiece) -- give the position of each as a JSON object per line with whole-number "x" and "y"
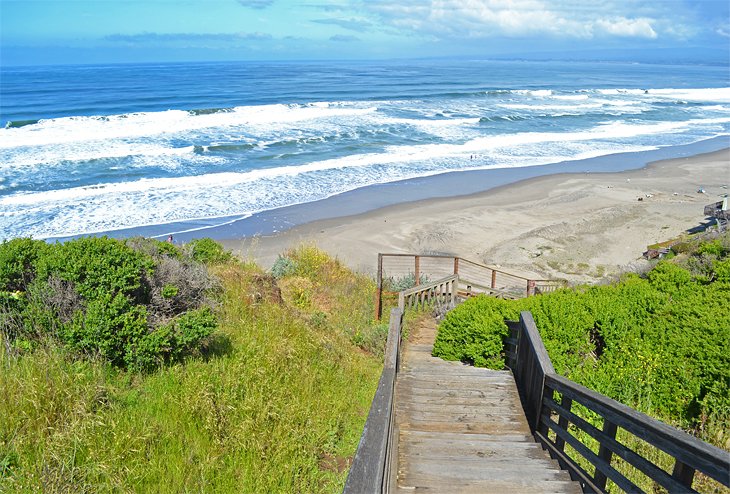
{"x": 575, "y": 226}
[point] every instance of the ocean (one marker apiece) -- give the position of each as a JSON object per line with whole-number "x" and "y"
{"x": 174, "y": 147}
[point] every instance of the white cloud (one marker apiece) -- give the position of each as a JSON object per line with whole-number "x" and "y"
{"x": 516, "y": 18}
{"x": 628, "y": 28}
{"x": 723, "y": 30}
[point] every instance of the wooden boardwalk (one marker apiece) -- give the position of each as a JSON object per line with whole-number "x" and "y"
{"x": 462, "y": 429}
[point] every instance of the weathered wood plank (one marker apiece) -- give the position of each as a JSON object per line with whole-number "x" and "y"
{"x": 471, "y": 399}
{"x": 495, "y": 487}
{"x": 466, "y": 428}
{"x": 449, "y": 451}
{"x": 480, "y": 469}
{"x": 445, "y": 394}
{"x": 449, "y": 436}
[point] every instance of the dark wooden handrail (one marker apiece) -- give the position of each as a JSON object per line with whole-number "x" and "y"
{"x": 373, "y": 465}
{"x": 537, "y": 383}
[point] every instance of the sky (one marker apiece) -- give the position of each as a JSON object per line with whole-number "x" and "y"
{"x": 34, "y": 32}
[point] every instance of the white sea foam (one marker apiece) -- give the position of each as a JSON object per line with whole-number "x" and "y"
{"x": 25, "y": 157}
{"x": 534, "y": 92}
{"x": 720, "y": 95}
{"x": 149, "y": 124}
{"x": 571, "y": 97}
{"x": 393, "y": 155}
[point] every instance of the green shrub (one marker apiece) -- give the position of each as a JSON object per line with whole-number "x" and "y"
{"x": 722, "y": 270}
{"x": 98, "y": 266}
{"x": 473, "y": 333}
{"x": 283, "y": 266}
{"x": 110, "y": 327}
{"x": 169, "y": 291}
{"x": 171, "y": 342}
{"x": 17, "y": 262}
{"x": 668, "y": 277}
{"x": 403, "y": 282}
{"x": 207, "y": 251}
{"x": 190, "y": 328}
{"x": 155, "y": 249}
{"x": 682, "y": 247}
{"x": 714, "y": 248}
{"x": 136, "y": 304}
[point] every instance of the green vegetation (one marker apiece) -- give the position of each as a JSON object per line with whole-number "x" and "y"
{"x": 254, "y": 385}
{"x": 659, "y": 343}
{"x": 208, "y": 251}
{"x": 137, "y": 304}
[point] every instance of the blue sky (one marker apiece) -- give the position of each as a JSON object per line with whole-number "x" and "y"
{"x": 101, "y": 31}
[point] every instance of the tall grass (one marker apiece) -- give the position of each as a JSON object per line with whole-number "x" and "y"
{"x": 277, "y": 404}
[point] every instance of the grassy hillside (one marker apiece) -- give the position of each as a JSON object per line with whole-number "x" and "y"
{"x": 272, "y": 400}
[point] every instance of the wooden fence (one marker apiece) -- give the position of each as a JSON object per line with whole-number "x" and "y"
{"x": 374, "y": 466}
{"x": 549, "y": 400}
{"x": 442, "y": 294}
{"x": 398, "y": 272}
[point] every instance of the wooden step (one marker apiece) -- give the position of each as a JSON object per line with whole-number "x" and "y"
{"x": 435, "y": 486}
{"x": 414, "y": 470}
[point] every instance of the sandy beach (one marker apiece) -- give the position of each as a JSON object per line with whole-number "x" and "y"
{"x": 575, "y": 226}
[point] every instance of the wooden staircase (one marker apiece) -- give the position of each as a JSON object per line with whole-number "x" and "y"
{"x": 437, "y": 426}
{"x": 462, "y": 429}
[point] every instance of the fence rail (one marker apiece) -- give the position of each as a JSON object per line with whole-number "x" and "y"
{"x": 398, "y": 272}
{"x": 548, "y": 415}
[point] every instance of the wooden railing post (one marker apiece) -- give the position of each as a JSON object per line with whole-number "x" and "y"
{"x": 379, "y": 292}
{"x": 417, "y": 271}
{"x": 609, "y": 428}
{"x": 456, "y": 265}
{"x": 530, "y": 288}
{"x": 683, "y": 473}
{"x": 566, "y": 403}
{"x": 494, "y": 279}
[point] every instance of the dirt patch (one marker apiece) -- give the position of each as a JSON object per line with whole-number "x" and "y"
{"x": 264, "y": 289}
{"x": 422, "y": 331}
{"x": 330, "y": 463}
